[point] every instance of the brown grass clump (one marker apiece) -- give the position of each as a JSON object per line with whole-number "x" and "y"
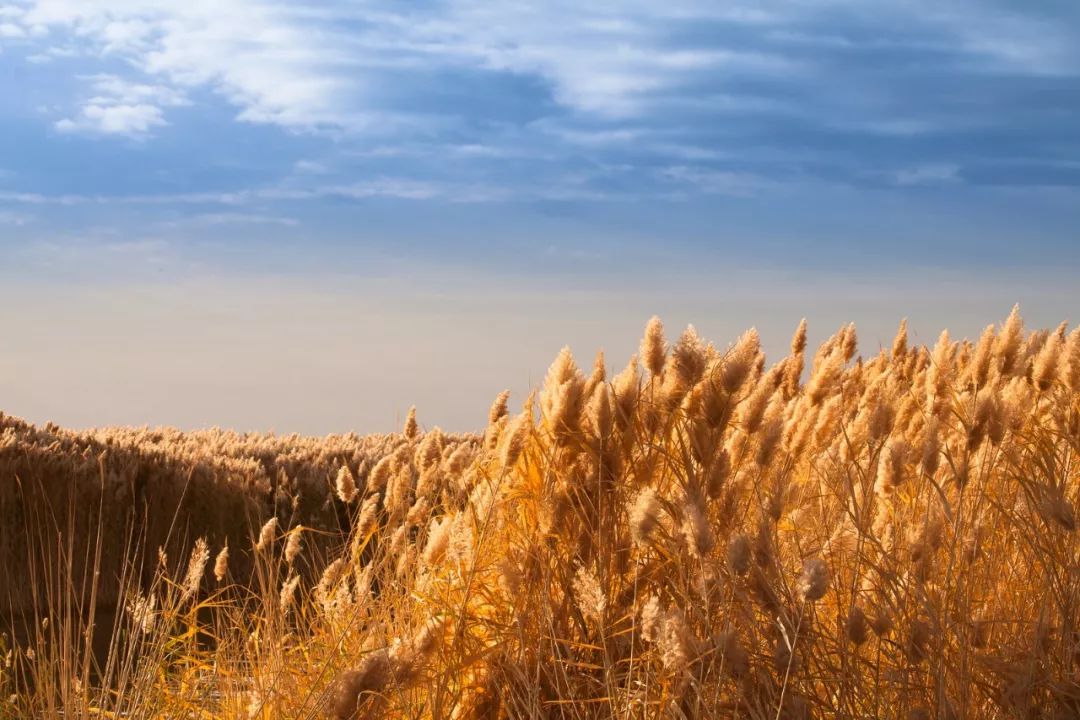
{"x": 701, "y": 535}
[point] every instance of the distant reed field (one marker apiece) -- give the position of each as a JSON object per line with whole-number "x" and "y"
{"x": 700, "y": 534}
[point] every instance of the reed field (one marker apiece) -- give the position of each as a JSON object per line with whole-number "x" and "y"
{"x": 699, "y": 533}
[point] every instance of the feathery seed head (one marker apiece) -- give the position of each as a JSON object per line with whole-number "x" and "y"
{"x": 814, "y": 581}
{"x": 200, "y": 555}
{"x": 849, "y": 342}
{"x": 345, "y": 486}
{"x": 791, "y": 376}
{"x": 331, "y": 576}
{"x": 357, "y": 689}
{"x": 798, "y": 340}
{"x": 418, "y": 513}
{"x": 515, "y": 438}
{"x": 626, "y": 387}
{"x": 899, "y": 346}
{"x": 599, "y": 415}
{"x": 890, "y": 473}
{"x": 653, "y": 347}
{"x": 652, "y": 618}
{"x": 221, "y": 563}
{"x": 772, "y": 431}
{"x": 143, "y": 611}
{"x": 365, "y": 521}
{"x": 462, "y": 544}
{"x": 590, "y": 597}
{"x": 688, "y": 357}
{"x": 380, "y": 474}
{"x": 644, "y": 516}
{"x": 562, "y": 399}
{"x": 267, "y": 534}
{"x": 825, "y": 375}
{"x": 598, "y": 375}
{"x": 498, "y": 408}
{"x": 676, "y": 643}
{"x": 288, "y": 592}
{"x": 293, "y": 545}
{"x": 1007, "y": 343}
{"x": 438, "y": 541}
{"x": 429, "y": 454}
{"x": 1045, "y": 369}
{"x": 459, "y": 460}
{"x": 718, "y": 472}
{"x": 696, "y": 530}
{"x": 560, "y": 371}
{"x": 752, "y": 409}
{"x": 1069, "y": 370}
{"x": 739, "y": 361}
{"x": 939, "y": 373}
{"x": 411, "y": 429}
{"x": 982, "y": 360}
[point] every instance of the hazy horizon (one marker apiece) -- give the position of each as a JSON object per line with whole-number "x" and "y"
{"x": 319, "y": 355}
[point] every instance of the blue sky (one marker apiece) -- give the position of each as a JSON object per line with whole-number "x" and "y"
{"x": 153, "y": 146}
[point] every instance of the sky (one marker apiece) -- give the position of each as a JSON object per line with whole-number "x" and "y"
{"x": 309, "y": 216}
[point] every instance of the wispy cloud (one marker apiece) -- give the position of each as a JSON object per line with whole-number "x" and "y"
{"x": 399, "y": 188}
{"x": 928, "y": 175}
{"x": 696, "y": 180}
{"x": 11, "y": 30}
{"x": 229, "y": 218}
{"x": 122, "y": 107}
{"x": 253, "y": 102}
{"x": 321, "y": 68}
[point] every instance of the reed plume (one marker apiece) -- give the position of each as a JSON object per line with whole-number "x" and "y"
{"x": 701, "y": 534}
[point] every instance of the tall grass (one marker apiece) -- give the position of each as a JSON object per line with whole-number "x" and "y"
{"x": 699, "y": 535}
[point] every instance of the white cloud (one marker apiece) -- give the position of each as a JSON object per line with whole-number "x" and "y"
{"x": 307, "y": 68}
{"x": 621, "y": 73}
{"x": 708, "y": 181}
{"x": 114, "y": 119}
{"x": 231, "y": 218}
{"x": 123, "y": 35}
{"x": 567, "y": 187}
{"x": 51, "y": 53}
{"x": 11, "y": 30}
{"x": 111, "y": 88}
{"x": 261, "y": 56}
{"x": 384, "y": 187}
{"x": 608, "y": 60}
{"x": 321, "y": 66}
{"x": 121, "y": 107}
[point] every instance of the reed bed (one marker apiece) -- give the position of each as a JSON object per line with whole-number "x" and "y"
{"x": 157, "y": 488}
{"x": 697, "y": 535}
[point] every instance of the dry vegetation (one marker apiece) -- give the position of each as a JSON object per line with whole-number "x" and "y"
{"x": 699, "y": 535}
{"x": 156, "y": 489}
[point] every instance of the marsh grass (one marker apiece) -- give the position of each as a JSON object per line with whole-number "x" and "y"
{"x": 701, "y": 535}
